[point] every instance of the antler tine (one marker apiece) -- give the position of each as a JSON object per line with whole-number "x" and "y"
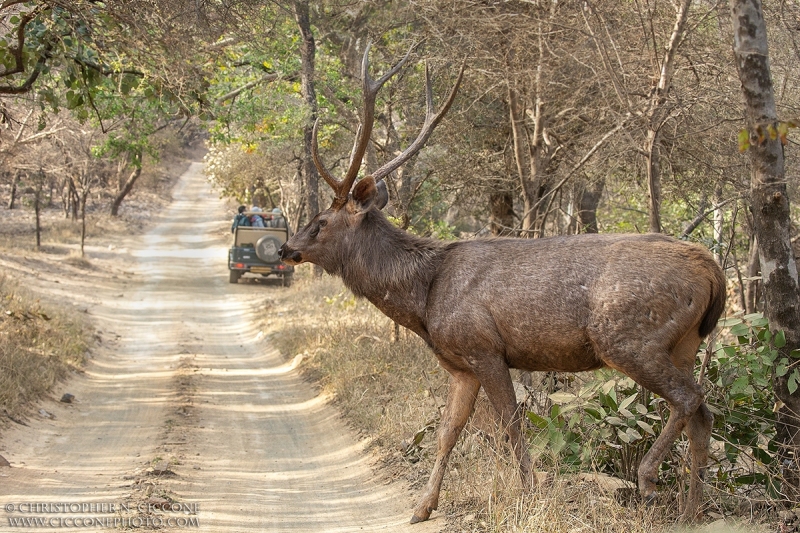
{"x": 355, "y": 145}
{"x": 335, "y": 184}
{"x": 394, "y": 70}
{"x": 370, "y": 89}
{"x": 432, "y": 119}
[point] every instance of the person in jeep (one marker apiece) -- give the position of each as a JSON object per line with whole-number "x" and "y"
{"x": 277, "y": 220}
{"x": 256, "y": 219}
{"x": 240, "y": 219}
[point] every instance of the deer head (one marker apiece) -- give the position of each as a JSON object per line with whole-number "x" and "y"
{"x": 320, "y": 241}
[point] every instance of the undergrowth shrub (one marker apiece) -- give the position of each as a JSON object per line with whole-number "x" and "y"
{"x": 38, "y": 346}
{"x": 607, "y": 423}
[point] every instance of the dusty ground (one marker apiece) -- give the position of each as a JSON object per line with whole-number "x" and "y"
{"x": 184, "y": 403}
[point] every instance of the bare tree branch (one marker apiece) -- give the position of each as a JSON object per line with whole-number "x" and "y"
{"x": 691, "y": 226}
{"x": 588, "y": 155}
{"x": 236, "y": 92}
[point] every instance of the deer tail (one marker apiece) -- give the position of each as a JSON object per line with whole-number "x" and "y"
{"x": 717, "y": 304}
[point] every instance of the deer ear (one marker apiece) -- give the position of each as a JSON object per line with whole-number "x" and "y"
{"x": 382, "y": 198}
{"x": 364, "y": 192}
{"x": 367, "y": 194}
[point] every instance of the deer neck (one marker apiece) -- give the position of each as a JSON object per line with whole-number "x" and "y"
{"x": 392, "y": 269}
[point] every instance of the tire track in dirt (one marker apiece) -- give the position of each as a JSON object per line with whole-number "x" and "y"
{"x": 185, "y": 380}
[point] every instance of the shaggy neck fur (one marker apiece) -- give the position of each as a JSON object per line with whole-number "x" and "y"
{"x": 391, "y": 268}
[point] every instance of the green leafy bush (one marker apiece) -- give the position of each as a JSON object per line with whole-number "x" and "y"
{"x": 607, "y": 422}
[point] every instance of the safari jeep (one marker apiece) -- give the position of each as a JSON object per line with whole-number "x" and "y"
{"x": 257, "y": 251}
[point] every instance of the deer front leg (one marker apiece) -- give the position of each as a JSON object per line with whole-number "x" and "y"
{"x": 462, "y": 392}
{"x": 496, "y": 381}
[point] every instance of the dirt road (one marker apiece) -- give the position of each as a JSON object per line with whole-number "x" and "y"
{"x": 184, "y": 402}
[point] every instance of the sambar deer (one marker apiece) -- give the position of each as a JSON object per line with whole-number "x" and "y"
{"x": 640, "y": 304}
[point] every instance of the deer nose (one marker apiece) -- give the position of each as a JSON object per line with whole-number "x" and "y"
{"x": 287, "y": 254}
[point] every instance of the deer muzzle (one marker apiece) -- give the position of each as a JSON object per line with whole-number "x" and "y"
{"x": 290, "y": 256}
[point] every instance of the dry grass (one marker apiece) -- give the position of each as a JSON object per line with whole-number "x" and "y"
{"x": 39, "y": 345}
{"x": 75, "y": 259}
{"x": 58, "y": 232}
{"x": 392, "y": 392}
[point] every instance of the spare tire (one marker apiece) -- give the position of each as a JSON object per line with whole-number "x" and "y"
{"x": 268, "y": 249}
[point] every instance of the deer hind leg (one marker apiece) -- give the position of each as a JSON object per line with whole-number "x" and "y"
{"x": 462, "y": 392}
{"x": 698, "y": 429}
{"x": 685, "y": 399}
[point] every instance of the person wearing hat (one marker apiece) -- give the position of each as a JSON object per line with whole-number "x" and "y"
{"x": 277, "y": 219}
{"x": 256, "y": 220}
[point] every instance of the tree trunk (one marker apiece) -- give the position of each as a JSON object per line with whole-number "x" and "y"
{"x": 770, "y": 208}
{"x": 65, "y": 197}
{"x": 657, "y": 114}
{"x": 697, "y": 220}
{"x": 307, "y": 58}
{"x": 719, "y": 221}
{"x": 308, "y": 92}
{"x": 534, "y": 148}
{"x": 653, "y": 181}
{"x": 501, "y": 213}
{"x": 36, "y": 208}
{"x": 587, "y": 207}
{"x": 521, "y": 147}
{"x": 84, "y": 196}
{"x": 76, "y": 199}
{"x": 72, "y": 195}
{"x": 125, "y": 190}
{"x": 753, "y": 285}
{"x": 532, "y": 157}
{"x": 136, "y": 160}
{"x": 14, "y": 184}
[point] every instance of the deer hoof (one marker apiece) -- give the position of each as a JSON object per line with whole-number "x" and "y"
{"x": 416, "y": 519}
{"x": 422, "y": 513}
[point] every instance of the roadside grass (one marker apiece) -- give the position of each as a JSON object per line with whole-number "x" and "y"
{"x": 75, "y": 259}
{"x": 392, "y": 395}
{"x": 345, "y": 349}
{"x": 19, "y": 233}
{"x": 59, "y": 233}
{"x": 39, "y": 345}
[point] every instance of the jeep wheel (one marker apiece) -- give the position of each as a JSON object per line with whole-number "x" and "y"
{"x": 234, "y": 276}
{"x": 268, "y": 249}
{"x": 287, "y": 280}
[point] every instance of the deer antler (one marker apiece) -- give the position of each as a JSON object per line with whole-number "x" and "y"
{"x": 371, "y": 87}
{"x": 432, "y": 119}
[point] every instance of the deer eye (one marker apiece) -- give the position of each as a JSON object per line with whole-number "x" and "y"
{"x": 320, "y": 224}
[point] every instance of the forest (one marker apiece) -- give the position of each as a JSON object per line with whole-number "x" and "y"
{"x": 673, "y": 117}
